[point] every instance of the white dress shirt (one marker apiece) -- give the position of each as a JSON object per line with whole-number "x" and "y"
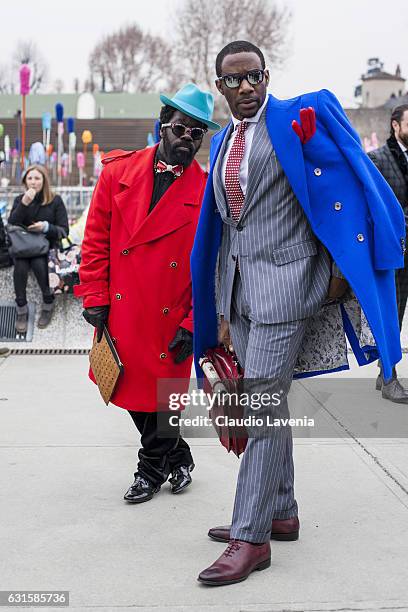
{"x": 404, "y": 149}
{"x": 249, "y": 136}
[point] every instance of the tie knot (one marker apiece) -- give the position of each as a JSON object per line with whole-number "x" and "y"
{"x": 241, "y": 127}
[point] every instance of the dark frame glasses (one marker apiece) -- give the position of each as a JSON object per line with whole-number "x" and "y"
{"x": 232, "y": 81}
{"x": 179, "y": 130}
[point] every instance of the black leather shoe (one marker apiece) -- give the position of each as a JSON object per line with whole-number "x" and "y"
{"x": 181, "y": 478}
{"x": 395, "y": 392}
{"x": 141, "y": 490}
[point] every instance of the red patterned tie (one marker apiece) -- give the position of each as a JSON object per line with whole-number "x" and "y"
{"x": 233, "y": 189}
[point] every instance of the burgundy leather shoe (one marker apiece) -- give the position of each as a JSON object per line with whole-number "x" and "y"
{"x": 236, "y": 563}
{"x": 284, "y": 530}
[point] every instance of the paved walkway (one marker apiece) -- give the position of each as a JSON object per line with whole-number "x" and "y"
{"x": 66, "y": 461}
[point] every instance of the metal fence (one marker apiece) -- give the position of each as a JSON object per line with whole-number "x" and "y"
{"x": 76, "y": 199}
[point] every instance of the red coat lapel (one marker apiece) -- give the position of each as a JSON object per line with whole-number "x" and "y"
{"x": 136, "y": 189}
{"x": 175, "y": 208}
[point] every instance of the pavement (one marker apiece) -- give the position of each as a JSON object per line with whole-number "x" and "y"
{"x": 66, "y": 461}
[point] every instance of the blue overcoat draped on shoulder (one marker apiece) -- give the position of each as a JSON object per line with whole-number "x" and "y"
{"x": 369, "y": 210}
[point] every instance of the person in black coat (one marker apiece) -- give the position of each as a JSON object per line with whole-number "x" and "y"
{"x": 392, "y": 161}
{"x": 39, "y": 210}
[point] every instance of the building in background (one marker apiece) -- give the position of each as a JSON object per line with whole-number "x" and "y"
{"x": 379, "y": 87}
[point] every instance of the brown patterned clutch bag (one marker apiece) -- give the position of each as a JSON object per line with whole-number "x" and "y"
{"x": 106, "y": 365}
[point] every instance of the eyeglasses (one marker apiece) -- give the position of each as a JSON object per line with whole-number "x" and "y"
{"x": 232, "y": 81}
{"x": 179, "y": 130}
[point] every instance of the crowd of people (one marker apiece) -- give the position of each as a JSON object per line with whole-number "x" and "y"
{"x": 287, "y": 247}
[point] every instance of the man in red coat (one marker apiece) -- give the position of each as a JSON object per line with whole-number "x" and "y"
{"x": 135, "y": 277}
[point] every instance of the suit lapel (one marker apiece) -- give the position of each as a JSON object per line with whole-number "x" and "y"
{"x": 395, "y": 165}
{"x": 219, "y": 191}
{"x": 288, "y": 148}
{"x": 259, "y": 155}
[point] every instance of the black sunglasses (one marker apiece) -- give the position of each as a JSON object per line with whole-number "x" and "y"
{"x": 232, "y": 81}
{"x": 179, "y": 130}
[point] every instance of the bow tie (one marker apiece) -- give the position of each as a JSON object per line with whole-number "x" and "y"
{"x": 162, "y": 167}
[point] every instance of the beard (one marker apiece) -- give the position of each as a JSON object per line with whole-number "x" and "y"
{"x": 175, "y": 155}
{"x": 404, "y": 139}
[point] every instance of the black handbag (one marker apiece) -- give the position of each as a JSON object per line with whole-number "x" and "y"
{"x": 25, "y": 244}
{"x": 5, "y": 259}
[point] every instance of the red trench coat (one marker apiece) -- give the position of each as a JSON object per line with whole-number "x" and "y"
{"x": 139, "y": 263}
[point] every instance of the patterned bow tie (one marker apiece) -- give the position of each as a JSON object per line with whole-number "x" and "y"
{"x": 162, "y": 167}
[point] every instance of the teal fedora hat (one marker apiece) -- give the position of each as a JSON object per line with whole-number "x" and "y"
{"x": 195, "y": 103}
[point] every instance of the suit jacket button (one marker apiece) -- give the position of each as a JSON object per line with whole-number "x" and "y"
{"x": 118, "y": 296}
{"x": 125, "y": 252}
{"x": 240, "y": 228}
{"x": 163, "y": 355}
{"x": 338, "y": 206}
{"x": 234, "y": 258}
{"x": 360, "y": 237}
{"x": 173, "y": 264}
{"x": 317, "y": 171}
{"x": 165, "y": 311}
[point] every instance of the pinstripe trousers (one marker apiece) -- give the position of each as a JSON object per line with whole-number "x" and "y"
{"x": 265, "y": 486}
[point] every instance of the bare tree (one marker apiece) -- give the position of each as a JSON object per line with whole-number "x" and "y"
{"x": 27, "y": 52}
{"x": 6, "y": 82}
{"x": 208, "y": 26}
{"x": 131, "y": 60}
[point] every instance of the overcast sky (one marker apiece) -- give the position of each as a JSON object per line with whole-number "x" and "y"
{"x": 332, "y": 39}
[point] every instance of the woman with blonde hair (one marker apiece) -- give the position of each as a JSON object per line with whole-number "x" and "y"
{"x": 39, "y": 210}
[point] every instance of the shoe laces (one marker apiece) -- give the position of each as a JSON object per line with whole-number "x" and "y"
{"x": 140, "y": 480}
{"x": 233, "y": 547}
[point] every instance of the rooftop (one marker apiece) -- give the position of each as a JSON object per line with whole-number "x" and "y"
{"x": 382, "y": 76}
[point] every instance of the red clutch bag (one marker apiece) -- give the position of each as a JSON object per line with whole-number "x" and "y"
{"x": 222, "y": 376}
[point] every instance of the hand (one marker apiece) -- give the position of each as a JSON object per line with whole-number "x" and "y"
{"x": 29, "y": 196}
{"x": 224, "y": 335}
{"x": 337, "y": 288}
{"x": 307, "y": 127}
{"x": 184, "y": 340}
{"x": 38, "y": 226}
{"x": 98, "y": 317}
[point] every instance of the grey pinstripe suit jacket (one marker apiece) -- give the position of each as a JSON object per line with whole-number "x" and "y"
{"x": 285, "y": 271}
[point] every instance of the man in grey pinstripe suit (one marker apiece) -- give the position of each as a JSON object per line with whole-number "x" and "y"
{"x": 272, "y": 277}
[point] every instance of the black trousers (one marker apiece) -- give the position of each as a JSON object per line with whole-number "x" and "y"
{"x": 39, "y": 266}
{"x": 163, "y": 449}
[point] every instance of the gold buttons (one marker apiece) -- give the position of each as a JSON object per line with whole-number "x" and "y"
{"x": 125, "y": 252}
{"x": 165, "y": 311}
{"x": 317, "y": 171}
{"x": 338, "y": 206}
{"x": 360, "y": 237}
{"x": 118, "y": 296}
{"x": 163, "y": 355}
{"x": 173, "y": 264}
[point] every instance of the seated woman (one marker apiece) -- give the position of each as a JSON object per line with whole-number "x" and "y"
{"x": 39, "y": 210}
